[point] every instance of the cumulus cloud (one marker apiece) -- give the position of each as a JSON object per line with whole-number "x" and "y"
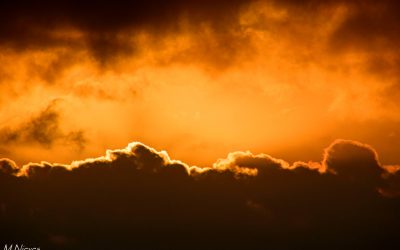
{"x": 140, "y": 197}
{"x": 8, "y": 166}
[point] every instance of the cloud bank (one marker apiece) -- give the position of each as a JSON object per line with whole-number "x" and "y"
{"x": 139, "y": 197}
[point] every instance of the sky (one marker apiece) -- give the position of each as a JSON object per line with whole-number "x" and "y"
{"x": 209, "y": 96}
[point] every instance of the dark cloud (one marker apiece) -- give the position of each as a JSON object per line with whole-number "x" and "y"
{"x": 373, "y": 29}
{"x": 367, "y": 25}
{"x": 105, "y": 28}
{"x": 370, "y": 25}
{"x": 36, "y": 25}
{"x": 138, "y": 198}
{"x": 368, "y": 33}
{"x": 43, "y": 129}
{"x": 8, "y": 166}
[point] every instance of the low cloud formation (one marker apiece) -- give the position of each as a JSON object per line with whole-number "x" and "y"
{"x": 138, "y": 197}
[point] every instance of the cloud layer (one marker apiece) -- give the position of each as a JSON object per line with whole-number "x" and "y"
{"x": 139, "y": 197}
{"x": 269, "y": 69}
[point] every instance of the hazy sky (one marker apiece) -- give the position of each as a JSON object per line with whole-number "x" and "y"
{"x": 198, "y": 79}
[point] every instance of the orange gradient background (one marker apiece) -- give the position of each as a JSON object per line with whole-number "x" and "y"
{"x": 273, "y": 79}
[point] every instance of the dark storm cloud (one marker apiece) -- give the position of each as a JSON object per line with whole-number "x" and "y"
{"x": 138, "y": 197}
{"x": 369, "y": 32}
{"x": 369, "y": 25}
{"x": 373, "y": 28}
{"x": 32, "y": 25}
{"x": 27, "y": 24}
{"x": 105, "y": 27}
{"x": 43, "y": 129}
{"x": 113, "y": 15}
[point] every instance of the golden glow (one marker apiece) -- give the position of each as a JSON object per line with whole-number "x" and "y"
{"x": 270, "y": 84}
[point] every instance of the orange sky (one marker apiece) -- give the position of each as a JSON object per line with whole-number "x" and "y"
{"x": 267, "y": 77}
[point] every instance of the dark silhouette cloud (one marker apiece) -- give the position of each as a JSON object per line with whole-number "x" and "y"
{"x": 43, "y": 129}
{"x": 138, "y": 197}
{"x": 8, "y": 166}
